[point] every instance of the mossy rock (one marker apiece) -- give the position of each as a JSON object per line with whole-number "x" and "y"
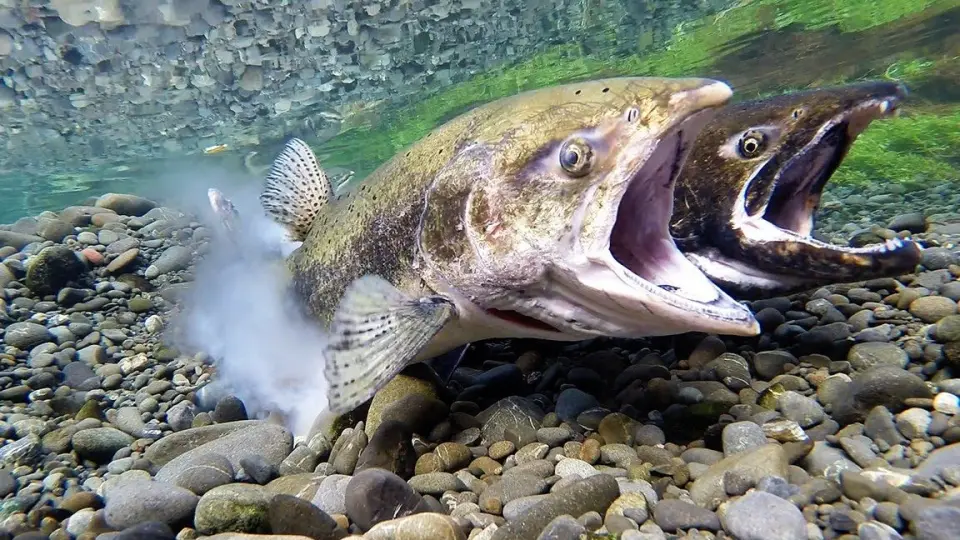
{"x": 240, "y": 508}
{"x": 53, "y": 269}
{"x": 90, "y": 409}
{"x": 139, "y": 304}
{"x": 399, "y": 387}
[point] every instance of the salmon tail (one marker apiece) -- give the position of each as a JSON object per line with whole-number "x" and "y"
{"x": 296, "y": 189}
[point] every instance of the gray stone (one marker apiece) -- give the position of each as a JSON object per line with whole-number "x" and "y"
{"x": 673, "y": 515}
{"x": 760, "y": 516}
{"x": 137, "y": 501}
{"x": 767, "y": 460}
{"x": 863, "y": 356}
{"x": 207, "y": 472}
{"x": 331, "y": 494}
{"x": 940, "y": 522}
{"x": 828, "y": 462}
{"x": 515, "y": 414}
{"x": 166, "y": 449}
{"x": 874, "y": 530}
{"x": 181, "y": 415}
{"x": 128, "y": 420}
{"x": 913, "y": 422}
{"x": 100, "y": 444}
{"x": 931, "y": 309}
{"x": 270, "y": 441}
{"x": 742, "y": 436}
{"x": 26, "y": 335}
{"x": 801, "y": 409}
{"x": 594, "y": 494}
{"x": 938, "y": 461}
{"x": 173, "y": 259}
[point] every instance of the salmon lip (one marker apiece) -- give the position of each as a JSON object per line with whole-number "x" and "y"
{"x": 787, "y": 215}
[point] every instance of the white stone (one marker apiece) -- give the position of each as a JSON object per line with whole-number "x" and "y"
{"x": 946, "y": 403}
{"x": 913, "y": 423}
{"x": 153, "y": 324}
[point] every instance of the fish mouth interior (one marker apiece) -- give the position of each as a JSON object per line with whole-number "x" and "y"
{"x": 788, "y": 214}
{"x": 641, "y": 248}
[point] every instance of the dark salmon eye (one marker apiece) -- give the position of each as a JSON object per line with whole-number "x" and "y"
{"x": 576, "y": 157}
{"x": 751, "y": 144}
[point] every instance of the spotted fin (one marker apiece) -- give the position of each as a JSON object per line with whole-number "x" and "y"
{"x": 296, "y": 189}
{"x": 377, "y": 330}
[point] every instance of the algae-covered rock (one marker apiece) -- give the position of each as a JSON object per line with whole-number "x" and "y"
{"x": 53, "y": 268}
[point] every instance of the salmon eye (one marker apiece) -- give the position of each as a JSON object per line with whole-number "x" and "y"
{"x": 752, "y": 143}
{"x": 576, "y": 157}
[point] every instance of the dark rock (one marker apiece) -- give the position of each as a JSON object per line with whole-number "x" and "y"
{"x": 54, "y": 268}
{"x": 673, "y": 515}
{"x": 882, "y": 385}
{"x": 419, "y": 413}
{"x": 375, "y": 495}
{"x": 391, "y": 449}
{"x": 125, "y": 205}
{"x": 294, "y": 516}
{"x": 229, "y": 409}
{"x": 516, "y": 415}
{"x": 914, "y": 222}
{"x": 258, "y": 468}
{"x": 26, "y": 335}
{"x": 150, "y": 530}
{"x": 572, "y": 401}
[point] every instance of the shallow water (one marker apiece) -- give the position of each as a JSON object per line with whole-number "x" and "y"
{"x": 127, "y": 99}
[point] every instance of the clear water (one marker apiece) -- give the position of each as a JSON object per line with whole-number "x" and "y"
{"x": 132, "y": 96}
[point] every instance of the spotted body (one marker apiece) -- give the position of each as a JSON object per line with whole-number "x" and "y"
{"x": 503, "y": 222}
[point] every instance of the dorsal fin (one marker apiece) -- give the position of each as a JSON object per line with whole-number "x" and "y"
{"x": 296, "y": 189}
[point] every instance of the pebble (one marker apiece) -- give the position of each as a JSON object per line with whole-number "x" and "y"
{"x": 947, "y": 403}
{"x": 760, "y": 516}
{"x": 931, "y": 309}
{"x": 234, "y": 508}
{"x": 672, "y": 515}
{"x": 742, "y": 436}
{"x": 137, "y": 501}
{"x": 594, "y": 494}
{"x": 840, "y": 420}
{"x": 375, "y": 495}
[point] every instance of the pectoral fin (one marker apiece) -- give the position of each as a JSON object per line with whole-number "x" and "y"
{"x": 376, "y": 331}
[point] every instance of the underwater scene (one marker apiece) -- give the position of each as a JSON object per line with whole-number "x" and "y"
{"x": 479, "y": 269}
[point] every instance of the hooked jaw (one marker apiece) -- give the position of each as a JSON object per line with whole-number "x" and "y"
{"x": 647, "y": 285}
{"x": 773, "y": 247}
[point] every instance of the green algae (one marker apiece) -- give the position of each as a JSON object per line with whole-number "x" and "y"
{"x": 913, "y": 148}
{"x": 892, "y": 150}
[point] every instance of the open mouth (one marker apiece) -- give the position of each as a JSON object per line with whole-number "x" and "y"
{"x": 636, "y": 282}
{"x": 643, "y": 253}
{"x": 785, "y": 223}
